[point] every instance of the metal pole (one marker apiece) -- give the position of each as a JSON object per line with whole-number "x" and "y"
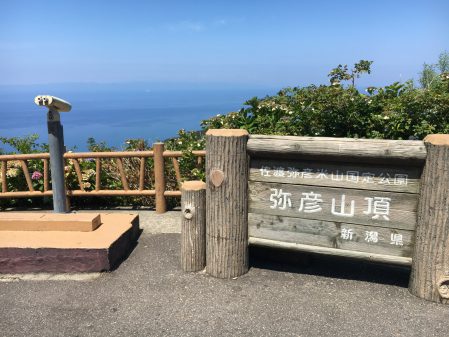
{"x": 56, "y": 145}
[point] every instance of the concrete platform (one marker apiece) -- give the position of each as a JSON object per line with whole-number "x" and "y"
{"x": 69, "y": 251}
{"x": 20, "y": 221}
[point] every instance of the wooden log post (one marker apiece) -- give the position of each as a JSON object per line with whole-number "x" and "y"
{"x": 159, "y": 177}
{"x": 46, "y": 178}
{"x": 430, "y": 266}
{"x": 142, "y": 174}
{"x": 193, "y": 226}
{"x": 4, "y": 169}
{"x": 97, "y": 174}
{"x": 227, "y": 203}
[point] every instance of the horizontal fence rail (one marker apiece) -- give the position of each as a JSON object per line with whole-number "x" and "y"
{"x": 158, "y": 154}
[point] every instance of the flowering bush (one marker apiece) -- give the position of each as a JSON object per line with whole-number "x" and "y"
{"x": 396, "y": 111}
{"x": 36, "y": 175}
{"x": 110, "y": 177}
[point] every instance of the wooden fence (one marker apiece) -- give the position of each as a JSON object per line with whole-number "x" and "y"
{"x": 158, "y": 154}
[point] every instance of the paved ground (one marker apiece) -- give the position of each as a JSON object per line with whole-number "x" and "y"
{"x": 148, "y": 295}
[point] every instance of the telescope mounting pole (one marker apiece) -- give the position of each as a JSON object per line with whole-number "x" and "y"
{"x": 56, "y": 145}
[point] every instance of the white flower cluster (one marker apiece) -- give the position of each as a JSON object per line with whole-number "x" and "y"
{"x": 13, "y": 170}
{"x": 87, "y": 174}
{"x": 273, "y": 106}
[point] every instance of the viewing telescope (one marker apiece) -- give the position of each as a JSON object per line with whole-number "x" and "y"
{"x": 53, "y": 103}
{"x": 56, "y": 105}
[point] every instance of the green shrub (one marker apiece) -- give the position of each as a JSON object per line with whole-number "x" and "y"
{"x": 396, "y": 111}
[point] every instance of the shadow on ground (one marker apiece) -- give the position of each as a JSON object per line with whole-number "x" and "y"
{"x": 328, "y": 266}
{"x": 130, "y": 249}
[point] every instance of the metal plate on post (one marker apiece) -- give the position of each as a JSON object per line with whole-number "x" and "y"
{"x": 217, "y": 177}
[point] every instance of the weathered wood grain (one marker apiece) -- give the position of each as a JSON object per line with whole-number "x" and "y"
{"x": 402, "y": 213}
{"x": 430, "y": 270}
{"x": 405, "y": 261}
{"x": 329, "y": 234}
{"x": 334, "y": 174}
{"x": 193, "y": 226}
{"x": 338, "y": 148}
{"x": 227, "y": 204}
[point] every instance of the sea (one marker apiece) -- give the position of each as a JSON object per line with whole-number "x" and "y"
{"x": 114, "y": 113}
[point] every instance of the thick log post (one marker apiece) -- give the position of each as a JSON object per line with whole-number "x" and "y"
{"x": 193, "y": 225}
{"x": 430, "y": 268}
{"x": 227, "y": 203}
{"x": 159, "y": 177}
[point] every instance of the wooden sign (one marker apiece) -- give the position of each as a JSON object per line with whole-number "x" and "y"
{"x": 347, "y": 197}
{"x": 360, "y": 204}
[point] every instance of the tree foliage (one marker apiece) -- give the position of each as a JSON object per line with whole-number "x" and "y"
{"x": 396, "y": 111}
{"x": 432, "y": 75}
{"x": 25, "y": 144}
{"x": 342, "y": 73}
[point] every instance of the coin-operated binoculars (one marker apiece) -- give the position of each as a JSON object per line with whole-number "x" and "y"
{"x": 56, "y": 144}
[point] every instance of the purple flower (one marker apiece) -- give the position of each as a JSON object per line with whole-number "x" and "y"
{"x": 36, "y": 175}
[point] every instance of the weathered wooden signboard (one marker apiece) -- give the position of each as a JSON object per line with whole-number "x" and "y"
{"x": 379, "y": 200}
{"x": 343, "y": 197}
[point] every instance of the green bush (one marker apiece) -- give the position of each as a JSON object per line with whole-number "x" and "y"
{"x": 15, "y": 178}
{"x": 396, "y": 111}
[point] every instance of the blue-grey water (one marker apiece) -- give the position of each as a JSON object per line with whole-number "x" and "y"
{"x": 114, "y": 113}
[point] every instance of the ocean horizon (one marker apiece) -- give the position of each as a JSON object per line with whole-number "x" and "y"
{"x": 116, "y": 112}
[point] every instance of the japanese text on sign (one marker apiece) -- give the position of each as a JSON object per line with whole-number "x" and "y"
{"x": 310, "y": 202}
{"x": 383, "y": 178}
{"x": 377, "y": 208}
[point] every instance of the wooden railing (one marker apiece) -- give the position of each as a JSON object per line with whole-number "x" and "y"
{"x": 158, "y": 154}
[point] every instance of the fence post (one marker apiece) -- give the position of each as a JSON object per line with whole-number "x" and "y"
{"x": 4, "y": 169}
{"x": 193, "y": 225}
{"x": 430, "y": 267}
{"x": 159, "y": 177}
{"x": 227, "y": 203}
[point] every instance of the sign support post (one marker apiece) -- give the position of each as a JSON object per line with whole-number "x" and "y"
{"x": 227, "y": 203}
{"x": 430, "y": 267}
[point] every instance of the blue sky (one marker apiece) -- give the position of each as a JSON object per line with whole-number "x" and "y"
{"x": 266, "y": 43}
